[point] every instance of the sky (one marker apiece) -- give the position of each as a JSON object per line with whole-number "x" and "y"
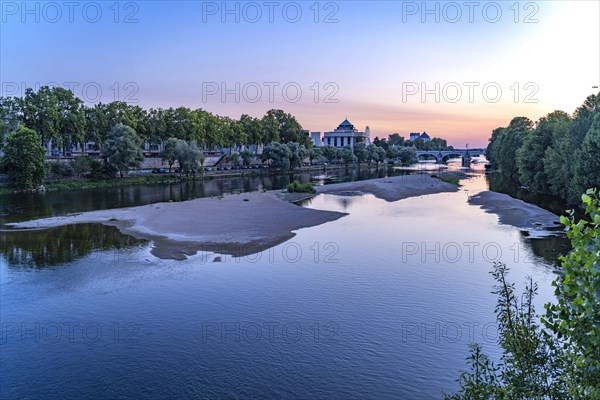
{"x": 456, "y": 70}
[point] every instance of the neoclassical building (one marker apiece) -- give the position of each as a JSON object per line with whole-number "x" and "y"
{"x": 346, "y": 135}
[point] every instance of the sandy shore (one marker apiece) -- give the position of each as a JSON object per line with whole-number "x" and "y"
{"x": 391, "y": 189}
{"x": 517, "y": 213}
{"x": 236, "y": 224}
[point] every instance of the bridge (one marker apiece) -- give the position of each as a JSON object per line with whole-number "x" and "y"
{"x": 442, "y": 156}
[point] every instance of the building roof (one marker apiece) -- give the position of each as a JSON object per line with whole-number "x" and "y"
{"x": 346, "y": 123}
{"x": 425, "y": 136}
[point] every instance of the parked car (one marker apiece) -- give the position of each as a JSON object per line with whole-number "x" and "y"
{"x": 160, "y": 171}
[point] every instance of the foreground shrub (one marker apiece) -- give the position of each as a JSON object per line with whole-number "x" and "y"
{"x": 556, "y": 356}
{"x": 297, "y": 187}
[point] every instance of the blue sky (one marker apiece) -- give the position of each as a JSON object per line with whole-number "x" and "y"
{"x": 369, "y": 61}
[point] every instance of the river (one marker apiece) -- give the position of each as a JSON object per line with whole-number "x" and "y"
{"x": 381, "y": 303}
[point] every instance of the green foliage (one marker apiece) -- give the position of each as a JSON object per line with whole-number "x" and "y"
{"x": 505, "y": 143}
{"x": 287, "y": 127}
{"x": 395, "y": 140}
{"x": 375, "y": 154}
{"x": 331, "y": 153}
{"x": 561, "y": 156}
{"x": 60, "y": 169}
{"x": 560, "y": 357}
{"x": 361, "y": 152}
{"x": 407, "y": 155}
{"x": 530, "y": 156}
{"x": 298, "y": 154}
{"x": 587, "y": 159}
{"x": 278, "y": 154}
{"x": 189, "y": 157}
{"x": 24, "y": 159}
{"x": 122, "y": 149}
{"x": 575, "y": 318}
{"x": 297, "y": 187}
{"x": 481, "y": 381}
{"x": 448, "y": 177}
{"x": 347, "y": 155}
{"x": 169, "y": 153}
{"x": 246, "y": 157}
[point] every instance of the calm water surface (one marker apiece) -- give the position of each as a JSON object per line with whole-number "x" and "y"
{"x": 379, "y": 304}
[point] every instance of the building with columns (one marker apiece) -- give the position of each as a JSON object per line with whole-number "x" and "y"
{"x": 346, "y": 135}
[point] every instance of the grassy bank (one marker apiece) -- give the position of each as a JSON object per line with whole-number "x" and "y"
{"x": 451, "y": 177}
{"x": 82, "y": 184}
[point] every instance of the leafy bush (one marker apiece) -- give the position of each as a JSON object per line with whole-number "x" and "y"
{"x": 559, "y": 357}
{"x": 60, "y": 169}
{"x": 297, "y": 187}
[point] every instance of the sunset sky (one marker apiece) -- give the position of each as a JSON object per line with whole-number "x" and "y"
{"x": 365, "y": 61}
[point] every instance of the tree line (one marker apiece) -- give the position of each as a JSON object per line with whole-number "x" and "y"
{"x": 57, "y": 115}
{"x": 558, "y": 155}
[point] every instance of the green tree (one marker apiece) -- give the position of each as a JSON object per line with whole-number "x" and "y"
{"x": 587, "y": 159}
{"x": 391, "y": 152}
{"x": 278, "y": 154}
{"x": 375, "y": 154}
{"x": 314, "y": 153}
{"x": 24, "y": 159}
{"x": 331, "y": 153}
{"x": 189, "y": 157}
{"x": 383, "y": 142}
{"x": 10, "y": 117}
{"x": 247, "y": 157}
{"x": 40, "y": 113}
{"x": 575, "y": 318}
{"x": 395, "y": 140}
{"x": 288, "y": 127}
{"x": 347, "y": 155}
{"x": 122, "y": 149}
{"x": 407, "y": 155}
{"x": 361, "y": 152}
{"x": 505, "y": 145}
{"x": 530, "y": 156}
{"x": 169, "y": 153}
{"x": 299, "y": 153}
{"x": 71, "y": 120}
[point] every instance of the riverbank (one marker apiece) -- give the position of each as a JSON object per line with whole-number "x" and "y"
{"x": 234, "y": 224}
{"x": 167, "y": 178}
{"x": 237, "y": 224}
{"x": 510, "y": 211}
{"x": 391, "y": 189}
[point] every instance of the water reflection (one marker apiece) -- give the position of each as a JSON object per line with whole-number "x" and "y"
{"x": 61, "y": 245}
{"x": 28, "y": 206}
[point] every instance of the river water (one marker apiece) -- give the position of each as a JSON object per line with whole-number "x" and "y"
{"x": 379, "y": 304}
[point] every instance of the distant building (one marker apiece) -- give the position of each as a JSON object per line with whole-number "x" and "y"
{"x": 315, "y": 137}
{"x": 346, "y": 135}
{"x": 423, "y": 136}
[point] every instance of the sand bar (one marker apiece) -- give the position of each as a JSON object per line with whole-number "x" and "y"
{"x": 515, "y": 212}
{"x": 236, "y": 224}
{"x": 391, "y": 189}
